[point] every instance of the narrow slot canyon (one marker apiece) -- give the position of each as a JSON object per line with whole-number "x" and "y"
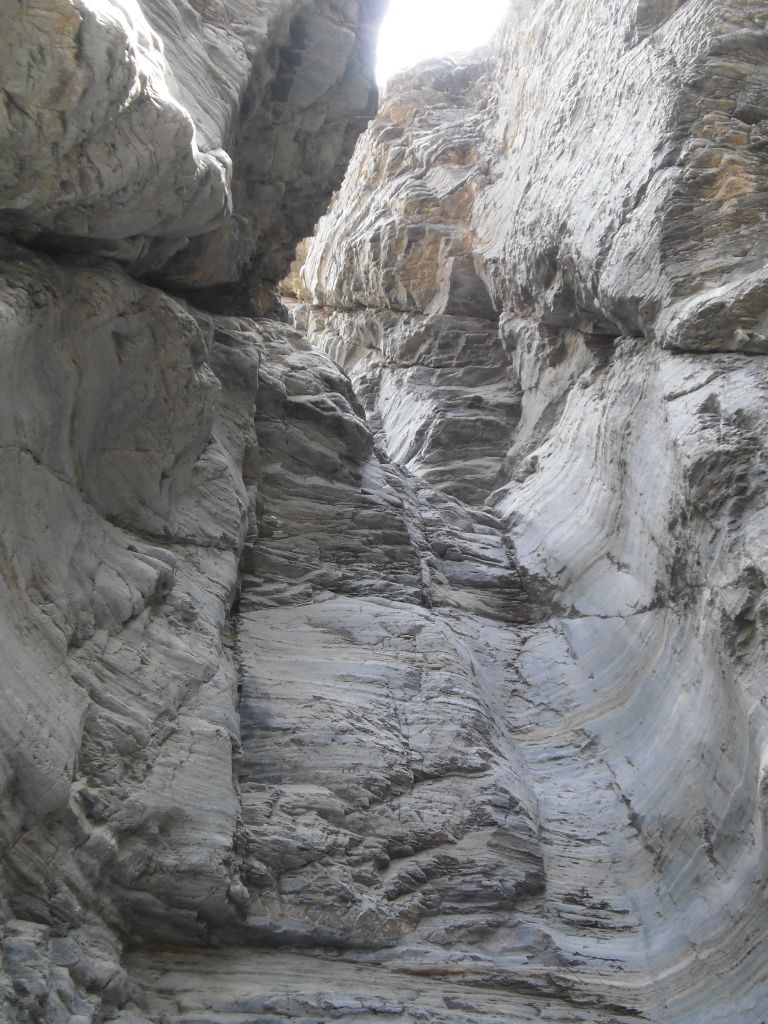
{"x": 383, "y": 521}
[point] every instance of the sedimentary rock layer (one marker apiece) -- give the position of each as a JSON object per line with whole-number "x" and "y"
{"x": 409, "y": 661}
{"x": 610, "y": 221}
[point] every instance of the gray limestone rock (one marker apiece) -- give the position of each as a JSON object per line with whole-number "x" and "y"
{"x": 408, "y": 662}
{"x": 614, "y": 219}
{"x": 193, "y": 143}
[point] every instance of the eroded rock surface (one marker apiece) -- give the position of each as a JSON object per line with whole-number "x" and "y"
{"x": 410, "y": 661}
{"x": 193, "y": 143}
{"x": 634, "y": 473}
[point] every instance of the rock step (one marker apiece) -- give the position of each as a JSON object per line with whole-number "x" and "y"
{"x": 242, "y": 986}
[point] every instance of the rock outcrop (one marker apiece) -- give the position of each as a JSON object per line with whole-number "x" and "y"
{"x": 125, "y": 121}
{"x": 408, "y": 661}
{"x": 193, "y": 145}
{"x": 606, "y": 232}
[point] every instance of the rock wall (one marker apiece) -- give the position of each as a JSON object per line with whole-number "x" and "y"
{"x": 410, "y": 661}
{"x": 604, "y": 229}
{"x": 186, "y": 145}
{"x": 125, "y": 122}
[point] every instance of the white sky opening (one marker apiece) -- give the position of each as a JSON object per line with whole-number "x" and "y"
{"x": 415, "y": 30}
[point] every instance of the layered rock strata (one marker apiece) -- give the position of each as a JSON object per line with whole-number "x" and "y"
{"x": 411, "y": 661}
{"x": 616, "y": 232}
{"x": 127, "y": 419}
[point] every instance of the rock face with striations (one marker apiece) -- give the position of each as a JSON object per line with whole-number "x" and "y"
{"x": 605, "y": 231}
{"x": 409, "y": 661}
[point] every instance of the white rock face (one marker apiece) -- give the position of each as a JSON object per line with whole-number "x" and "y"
{"x": 410, "y": 662}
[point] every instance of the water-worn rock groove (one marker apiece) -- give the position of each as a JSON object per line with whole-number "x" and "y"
{"x": 406, "y": 660}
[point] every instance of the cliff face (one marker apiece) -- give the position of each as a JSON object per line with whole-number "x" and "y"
{"x": 127, "y": 419}
{"x": 124, "y": 123}
{"x": 410, "y": 661}
{"x": 547, "y": 262}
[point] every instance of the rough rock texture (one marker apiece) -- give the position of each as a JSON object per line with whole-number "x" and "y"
{"x": 409, "y": 662}
{"x": 614, "y": 220}
{"x": 192, "y": 142}
{"x": 123, "y": 515}
{"x": 425, "y": 355}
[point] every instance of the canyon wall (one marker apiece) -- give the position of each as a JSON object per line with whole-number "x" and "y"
{"x": 127, "y": 420}
{"x": 409, "y": 660}
{"x": 545, "y": 268}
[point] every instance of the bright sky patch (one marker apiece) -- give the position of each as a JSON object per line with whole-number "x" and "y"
{"x": 414, "y": 30}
